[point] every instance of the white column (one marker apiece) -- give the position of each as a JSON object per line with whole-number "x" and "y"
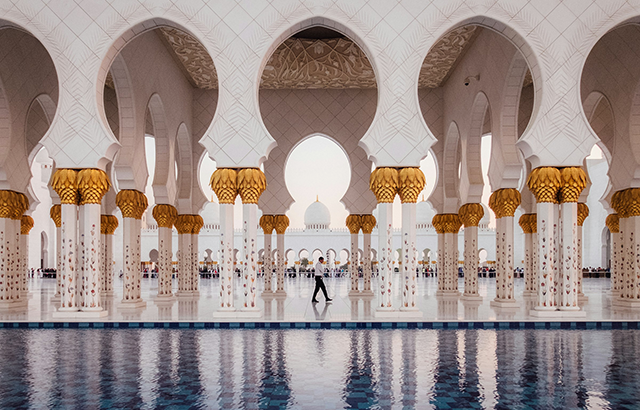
{"x": 226, "y": 265}
{"x": 633, "y": 273}
{"x": 440, "y": 264}
{"x": 546, "y": 227}
{"x": 504, "y": 259}
{"x": 471, "y": 261}
{"x": 108, "y": 265}
{"x": 529, "y": 282}
{"x": 579, "y": 261}
{"x": 266, "y": 263}
{"x": 569, "y": 277}
{"x": 6, "y": 297}
{"x": 280, "y": 268}
{"x": 366, "y": 268}
{"x": 249, "y": 238}
{"x": 24, "y": 264}
{"x": 165, "y": 265}
{"x": 409, "y": 261}
{"x": 615, "y": 265}
{"x": 58, "y": 262}
{"x": 90, "y": 245}
{"x": 69, "y": 232}
{"x": 184, "y": 265}
{"x": 450, "y": 263}
{"x": 131, "y": 261}
{"x": 195, "y": 265}
{"x": 385, "y": 252}
{"x": 353, "y": 265}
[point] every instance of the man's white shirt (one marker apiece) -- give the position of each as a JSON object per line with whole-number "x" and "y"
{"x": 319, "y": 269}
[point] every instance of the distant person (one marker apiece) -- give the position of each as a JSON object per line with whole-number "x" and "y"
{"x": 319, "y": 282}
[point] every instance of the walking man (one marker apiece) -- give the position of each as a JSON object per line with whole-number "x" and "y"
{"x": 320, "y": 282}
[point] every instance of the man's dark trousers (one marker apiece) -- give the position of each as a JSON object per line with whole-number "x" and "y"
{"x": 319, "y": 285}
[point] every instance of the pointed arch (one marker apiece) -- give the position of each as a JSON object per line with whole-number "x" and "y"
{"x": 164, "y": 181}
{"x": 471, "y": 180}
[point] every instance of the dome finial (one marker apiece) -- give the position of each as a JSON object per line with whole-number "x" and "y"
{"x": 317, "y": 200}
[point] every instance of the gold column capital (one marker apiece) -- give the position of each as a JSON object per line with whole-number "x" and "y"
{"x": 281, "y": 223}
{"x": 544, "y": 183}
{"x": 411, "y": 182}
{"x": 618, "y": 203}
{"x": 65, "y": 183}
{"x": 574, "y": 180}
{"x": 471, "y": 214}
{"x": 8, "y": 201}
{"x": 224, "y": 184}
{"x": 22, "y": 204}
{"x": 26, "y": 223}
{"x": 613, "y": 223}
{"x": 93, "y": 184}
{"x": 446, "y": 223}
{"x": 354, "y": 223}
{"x": 368, "y": 223}
{"x": 198, "y": 223}
{"x": 504, "y": 202}
{"x": 108, "y": 224}
{"x": 165, "y": 215}
{"x": 583, "y": 212}
{"x": 132, "y": 203}
{"x": 251, "y": 184}
{"x": 184, "y": 224}
{"x": 632, "y": 201}
{"x": 267, "y": 223}
{"x": 56, "y": 214}
{"x": 528, "y": 223}
{"x": 383, "y": 182}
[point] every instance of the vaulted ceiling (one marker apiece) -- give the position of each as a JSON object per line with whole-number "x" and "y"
{"x": 308, "y": 63}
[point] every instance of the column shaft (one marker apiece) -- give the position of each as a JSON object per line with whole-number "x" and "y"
{"x": 546, "y": 228}
{"x": 385, "y": 252}
{"x": 131, "y": 258}
{"x": 568, "y": 279}
{"x": 504, "y": 259}
{"x": 280, "y": 264}
{"x": 633, "y": 273}
{"x": 450, "y": 263}
{"x": 366, "y": 267}
{"x": 266, "y": 263}
{"x": 249, "y": 238}
{"x": 615, "y": 265}
{"x": 69, "y": 215}
{"x": 409, "y": 261}
{"x": 58, "y": 261}
{"x": 5, "y": 253}
{"x": 108, "y": 265}
{"x": 529, "y": 282}
{"x": 165, "y": 265}
{"x": 579, "y": 260}
{"x": 185, "y": 272}
{"x": 226, "y": 247}
{"x": 440, "y": 263}
{"x": 24, "y": 263}
{"x": 471, "y": 261}
{"x": 90, "y": 265}
{"x": 195, "y": 265}
{"x": 353, "y": 264}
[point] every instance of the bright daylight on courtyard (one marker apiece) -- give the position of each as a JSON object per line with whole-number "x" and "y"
{"x": 320, "y": 204}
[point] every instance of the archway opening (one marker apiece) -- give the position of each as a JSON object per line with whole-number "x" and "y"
{"x": 317, "y": 169}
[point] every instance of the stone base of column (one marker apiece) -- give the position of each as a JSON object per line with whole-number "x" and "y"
{"x": 353, "y": 292}
{"x": 367, "y": 294}
{"x": 79, "y": 314}
{"x": 132, "y": 304}
{"x": 410, "y": 312}
{"x": 109, "y": 294}
{"x": 164, "y": 298}
{"x": 582, "y": 298}
{"x": 10, "y": 305}
{"x": 448, "y": 293}
{"x": 504, "y": 304}
{"x": 26, "y": 295}
{"x": 183, "y": 294}
{"x": 471, "y": 297}
{"x": 529, "y": 294}
{"x": 626, "y": 303}
{"x": 267, "y": 294}
{"x": 280, "y": 293}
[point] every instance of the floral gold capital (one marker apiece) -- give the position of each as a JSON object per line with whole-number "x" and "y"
{"x": 224, "y": 184}
{"x": 281, "y": 223}
{"x": 26, "y": 223}
{"x": 383, "y": 182}
{"x": 267, "y": 223}
{"x": 354, "y": 223}
{"x": 471, "y": 214}
{"x": 583, "y": 212}
{"x": 368, "y": 223}
{"x": 613, "y": 223}
{"x": 411, "y": 182}
{"x": 251, "y": 184}
{"x": 165, "y": 215}
{"x": 544, "y": 183}
{"x": 93, "y": 184}
{"x": 574, "y": 180}
{"x": 56, "y": 214}
{"x": 65, "y": 183}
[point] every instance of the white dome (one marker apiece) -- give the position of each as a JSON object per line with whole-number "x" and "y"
{"x": 424, "y": 213}
{"x": 211, "y": 213}
{"x": 317, "y": 216}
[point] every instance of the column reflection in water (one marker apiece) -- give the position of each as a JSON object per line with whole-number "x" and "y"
{"x": 469, "y": 349}
{"x": 226, "y": 383}
{"x": 623, "y": 369}
{"x": 487, "y": 366}
{"x": 249, "y": 397}
{"x": 447, "y": 373}
{"x": 274, "y": 388}
{"x": 149, "y": 344}
{"x": 408, "y": 381}
{"x": 510, "y": 347}
{"x": 359, "y": 385}
{"x": 41, "y": 368}
{"x": 385, "y": 364}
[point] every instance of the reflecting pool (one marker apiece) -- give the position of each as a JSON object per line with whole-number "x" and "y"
{"x": 323, "y": 369}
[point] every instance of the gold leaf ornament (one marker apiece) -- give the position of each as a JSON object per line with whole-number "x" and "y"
{"x": 574, "y": 180}
{"x": 354, "y": 223}
{"x": 65, "y": 183}
{"x": 471, "y": 214}
{"x": 224, "y": 184}
{"x": 383, "y": 182}
{"x": 368, "y": 223}
{"x": 411, "y": 182}
{"x": 165, "y": 215}
{"x": 544, "y": 183}
{"x": 92, "y": 184}
{"x": 251, "y": 184}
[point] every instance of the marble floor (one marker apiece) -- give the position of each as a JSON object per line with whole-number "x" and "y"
{"x": 297, "y": 306}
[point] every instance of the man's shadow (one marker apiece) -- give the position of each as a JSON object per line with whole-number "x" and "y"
{"x": 320, "y": 316}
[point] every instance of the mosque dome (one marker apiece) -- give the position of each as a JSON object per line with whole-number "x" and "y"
{"x": 211, "y": 213}
{"x": 424, "y": 214}
{"x": 317, "y": 216}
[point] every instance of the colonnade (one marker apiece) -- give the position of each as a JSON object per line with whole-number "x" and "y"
{"x": 357, "y": 223}
{"x": 625, "y": 247}
{"x": 269, "y": 223}
{"x": 386, "y": 183}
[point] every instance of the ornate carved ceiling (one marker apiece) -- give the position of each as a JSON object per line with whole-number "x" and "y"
{"x": 331, "y": 63}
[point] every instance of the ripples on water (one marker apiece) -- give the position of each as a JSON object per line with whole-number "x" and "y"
{"x": 229, "y": 369}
